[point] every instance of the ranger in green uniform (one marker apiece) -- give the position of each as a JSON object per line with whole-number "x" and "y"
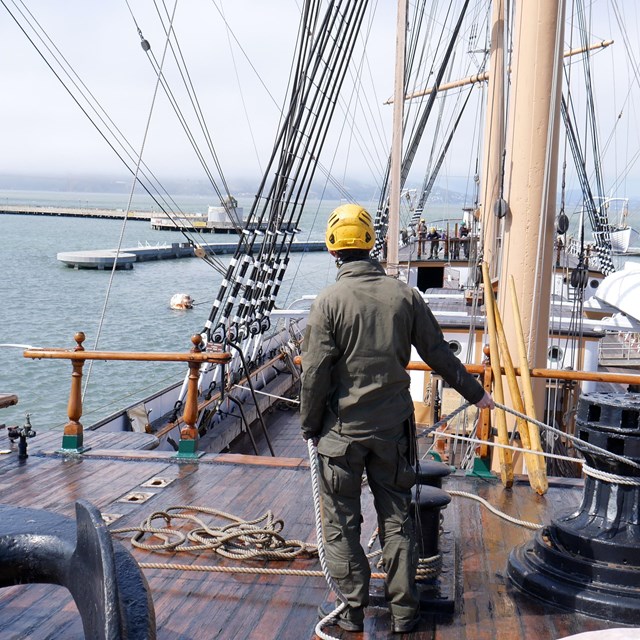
{"x": 355, "y": 402}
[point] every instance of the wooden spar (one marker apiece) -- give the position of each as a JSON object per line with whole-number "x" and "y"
{"x": 485, "y": 75}
{"x": 505, "y": 456}
{"x": 537, "y": 477}
{"x": 534, "y": 432}
{"x": 551, "y": 374}
{"x": 396, "y": 143}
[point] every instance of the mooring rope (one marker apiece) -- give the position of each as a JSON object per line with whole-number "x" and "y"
{"x": 614, "y": 478}
{"x": 472, "y": 496}
{"x": 315, "y": 487}
{"x": 587, "y": 445}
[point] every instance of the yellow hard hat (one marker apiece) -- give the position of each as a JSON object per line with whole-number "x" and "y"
{"x": 433, "y": 229}
{"x": 349, "y": 227}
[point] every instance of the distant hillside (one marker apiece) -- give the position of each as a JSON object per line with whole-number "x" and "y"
{"x": 240, "y": 187}
{"x": 449, "y": 190}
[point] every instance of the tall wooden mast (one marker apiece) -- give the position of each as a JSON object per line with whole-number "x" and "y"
{"x": 531, "y": 172}
{"x": 396, "y": 142}
{"x": 494, "y": 136}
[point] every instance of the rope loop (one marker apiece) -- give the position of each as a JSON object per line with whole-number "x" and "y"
{"x": 258, "y": 539}
{"x": 586, "y": 445}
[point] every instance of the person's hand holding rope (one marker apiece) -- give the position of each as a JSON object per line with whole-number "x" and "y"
{"x": 486, "y": 402}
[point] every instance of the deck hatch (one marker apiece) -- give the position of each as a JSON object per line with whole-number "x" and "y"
{"x": 157, "y": 482}
{"x": 137, "y": 496}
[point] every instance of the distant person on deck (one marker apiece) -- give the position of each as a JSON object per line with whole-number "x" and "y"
{"x": 355, "y": 404}
{"x": 434, "y": 238}
{"x": 422, "y": 237}
{"x": 463, "y": 234}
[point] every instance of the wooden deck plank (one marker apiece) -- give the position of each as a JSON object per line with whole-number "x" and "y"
{"x": 204, "y": 605}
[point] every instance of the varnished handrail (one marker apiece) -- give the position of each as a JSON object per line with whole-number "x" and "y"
{"x": 140, "y": 356}
{"x": 556, "y": 374}
{"x": 216, "y": 396}
{"x": 73, "y": 436}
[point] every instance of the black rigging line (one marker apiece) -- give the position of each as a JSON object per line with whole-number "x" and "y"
{"x": 185, "y": 126}
{"x": 426, "y": 189}
{"x": 422, "y": 121}
{"x": 248, "y": 293}
{"x": 591, "y": 119}
{"x": 184, "y": 73}
{"x": 600, "y": 233}
{"x": 157, "y": 197}
{"x": 334, "y": 82}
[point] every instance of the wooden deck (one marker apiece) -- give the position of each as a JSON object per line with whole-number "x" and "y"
{"x": 203, "y": 605}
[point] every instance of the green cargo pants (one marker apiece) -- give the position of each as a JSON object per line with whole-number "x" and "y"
{"x": 385, "y": 457}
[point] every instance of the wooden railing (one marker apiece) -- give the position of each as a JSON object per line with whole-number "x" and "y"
{"x": 73, "y": 436}
{"x": 552, "y": 374}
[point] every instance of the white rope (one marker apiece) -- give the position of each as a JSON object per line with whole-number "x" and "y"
{"x": 500, "y": 514}
{"x": 542, "y": 425}
{"x": 574, "y": 439}
{"x": 610, "y": 477}
{"x": 270, "y": 395}
{"x": 313, "y": 459}
{"x": 453, "y": 436}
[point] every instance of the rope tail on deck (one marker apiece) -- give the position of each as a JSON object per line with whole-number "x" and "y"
{"x": 313, "y": 459}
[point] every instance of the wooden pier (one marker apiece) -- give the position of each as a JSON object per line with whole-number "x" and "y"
{"x": 104, "y": 258}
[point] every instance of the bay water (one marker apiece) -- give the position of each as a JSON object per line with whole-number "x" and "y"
{"x": 44, "y": 303}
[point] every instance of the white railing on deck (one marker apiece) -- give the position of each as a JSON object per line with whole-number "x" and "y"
{"x": 622, "y": 346}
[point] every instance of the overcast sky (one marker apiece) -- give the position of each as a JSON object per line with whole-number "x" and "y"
{"x": 43, "y": 132}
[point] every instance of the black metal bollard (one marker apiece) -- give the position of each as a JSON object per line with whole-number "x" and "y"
{"x": 431, "y": 472}
{"x": 428, "y": 499}
{"x": 109, "y": 589}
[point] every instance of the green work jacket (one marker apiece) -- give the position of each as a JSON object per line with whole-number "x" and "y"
{"x": 356, "y": 349}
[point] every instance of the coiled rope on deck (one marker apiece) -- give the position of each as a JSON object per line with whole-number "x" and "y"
{"x": 238, "y": 540}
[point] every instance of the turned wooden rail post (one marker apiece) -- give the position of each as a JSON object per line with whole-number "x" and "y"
{"x": 485, "y": 416}
{"x": 73, "y": 435}
{"x": 188, "y": 445}
{"x": 73, "y": 432}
